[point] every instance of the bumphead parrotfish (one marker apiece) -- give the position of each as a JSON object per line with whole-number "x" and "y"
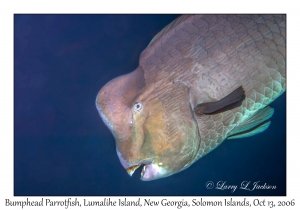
{"x": 201, "y": 80}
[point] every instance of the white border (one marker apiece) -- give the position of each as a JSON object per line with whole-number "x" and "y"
{"x": 8, "y": 8}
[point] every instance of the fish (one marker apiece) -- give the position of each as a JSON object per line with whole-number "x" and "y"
{"x": 202, "y": 79}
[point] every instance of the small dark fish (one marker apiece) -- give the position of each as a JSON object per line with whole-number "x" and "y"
{"x": 230, "y": 101}
{"x": 201, "y": 80}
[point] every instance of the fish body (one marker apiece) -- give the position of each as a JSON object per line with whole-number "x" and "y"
{"x": 201, "y": 80}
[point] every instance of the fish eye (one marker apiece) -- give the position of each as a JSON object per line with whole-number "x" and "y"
{"x": 137, "y": 106}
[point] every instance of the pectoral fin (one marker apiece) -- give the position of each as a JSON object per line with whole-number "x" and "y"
{"x": 231, "y": 101}
{"x": 254, "y": 125}
{"x": 251, "y": 132}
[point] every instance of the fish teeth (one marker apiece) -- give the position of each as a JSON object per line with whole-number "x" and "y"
{"x": 131, "y": 169}
{"x": 143, "y": 171}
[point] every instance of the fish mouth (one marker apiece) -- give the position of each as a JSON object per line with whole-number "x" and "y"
{"x": 130, "y": 170}
{"x": 154, "y": 171}
{"x": 150, "y": 171}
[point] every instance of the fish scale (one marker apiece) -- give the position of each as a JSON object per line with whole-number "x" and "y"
{"x": 250, "y": 39}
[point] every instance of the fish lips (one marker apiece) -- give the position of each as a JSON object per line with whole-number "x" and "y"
{"x": 150, "y": 171}
{"x": 153, "y": 171}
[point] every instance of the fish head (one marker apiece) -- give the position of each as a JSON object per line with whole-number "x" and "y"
{"x": 142, "y": 129}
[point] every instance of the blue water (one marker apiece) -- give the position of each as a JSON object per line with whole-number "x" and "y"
{"x": 62, "y": 147}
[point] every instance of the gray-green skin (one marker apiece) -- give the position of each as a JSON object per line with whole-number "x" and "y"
{"x": 195, "y": 59}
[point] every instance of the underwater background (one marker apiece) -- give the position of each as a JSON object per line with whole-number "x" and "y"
{"x": 61, "y": 145}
